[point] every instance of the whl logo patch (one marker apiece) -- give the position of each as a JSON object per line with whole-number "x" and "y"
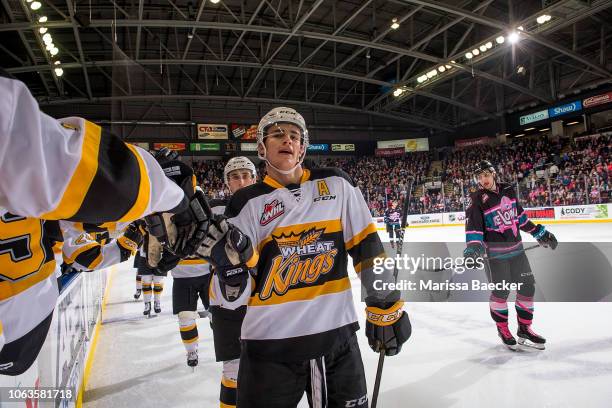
{"x": 271, "y": 211}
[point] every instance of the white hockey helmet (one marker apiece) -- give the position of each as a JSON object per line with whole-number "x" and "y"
{"x": 238, "y": 163}
{"x": 281, "y": 115}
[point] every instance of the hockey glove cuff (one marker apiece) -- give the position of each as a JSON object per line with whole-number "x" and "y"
{"x": 474, "y": 251}
{"x": 387, "y": 329}
{"x": 545, "y": 238}
{"x": 130, "y": 241}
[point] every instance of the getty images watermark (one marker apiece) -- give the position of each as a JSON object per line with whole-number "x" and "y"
{"x": 422, "y": 265}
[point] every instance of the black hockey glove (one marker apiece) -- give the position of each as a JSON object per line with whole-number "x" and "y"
{"x": 545, "y": 238}
{"x": 387, "y": 328}
{"x": 474, "y": 252}
{"x": 168, "y": 261}
{"x": 231, "y": 254}
{"x": 181, "y": 233}
{"x": 130, "y": 241}
{"x": 227, "y": 249}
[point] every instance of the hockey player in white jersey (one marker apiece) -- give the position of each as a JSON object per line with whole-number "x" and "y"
{"x": 84, "y": 253}
{"x": 60, "y": 169}
{"x": 239, "y": 172}
{"x": 293, "y": 231}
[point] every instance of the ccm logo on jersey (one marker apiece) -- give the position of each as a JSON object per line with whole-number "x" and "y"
{"x": 324, "y": 194}
{"x": 356, "y": 402}
{"x": 271, "y": 211}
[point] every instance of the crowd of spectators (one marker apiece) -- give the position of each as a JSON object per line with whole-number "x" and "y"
{"x": 543, "y": 172}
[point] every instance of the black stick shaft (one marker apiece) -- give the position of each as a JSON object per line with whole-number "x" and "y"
{"x": 381, "y": 361}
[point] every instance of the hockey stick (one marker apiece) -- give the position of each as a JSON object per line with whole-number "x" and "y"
{"x": 381, "y": 357}
{"x": 381, "y": 361}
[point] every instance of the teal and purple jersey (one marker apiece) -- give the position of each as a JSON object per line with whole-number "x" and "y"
{"x": 494, "y": 219}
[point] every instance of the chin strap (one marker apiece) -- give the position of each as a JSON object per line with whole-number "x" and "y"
{"x": 283, "y": 172}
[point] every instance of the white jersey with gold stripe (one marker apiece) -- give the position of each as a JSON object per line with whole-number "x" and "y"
{"x": 58, "y": 169}
{"x": 301, "y": 303}
{"x": 71, "y": 169}
{"x": 190, "y": 268}
{"x": 28, "y": 286}
{"x": 84, "y": 253}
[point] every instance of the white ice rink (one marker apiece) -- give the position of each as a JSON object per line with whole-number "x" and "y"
{"x": 453, "y": 359}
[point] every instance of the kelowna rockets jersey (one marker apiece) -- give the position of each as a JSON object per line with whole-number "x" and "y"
{"x": 494, "y": 219}
{"x": 392, "y": 216}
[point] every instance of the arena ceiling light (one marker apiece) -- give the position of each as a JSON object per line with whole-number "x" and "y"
{"x": 47, "y": 39}
{"x": 489, "y": 45}
{"x": 469, "y": 55}
{"x": 394, "y": 24}
{"x": 54, "y": 51}
{"x": 42, "y": 19}
{"x": 59, "y": 72}
{"x": 422, "y": 79}
{"x": 475, "y": 51}
{"x": 528, "y": 129}
{"x": 398, "y": 92}
{"x": 35, "y": 5}
{"x": 215, "y": 1}
{"x": 441, "y": 68}
{"x": 42, "y": 30}
{"x": 544, "y": 130}
{"x": 432, "y": 73}
{"x": 513, "y": 37}
{"x": 544, "y": 18}
{"x": 500, "y": 39}
{"x": 483, "y": 48}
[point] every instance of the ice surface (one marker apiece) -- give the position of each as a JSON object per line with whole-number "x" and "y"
{"x": 454, "y": 358}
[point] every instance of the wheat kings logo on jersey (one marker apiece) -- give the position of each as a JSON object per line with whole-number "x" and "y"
{"x": 303, "y": 258}
{"x": 271, "y": 211}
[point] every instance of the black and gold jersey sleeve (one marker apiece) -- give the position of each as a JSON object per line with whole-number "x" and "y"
{"x": 72, "y": 169}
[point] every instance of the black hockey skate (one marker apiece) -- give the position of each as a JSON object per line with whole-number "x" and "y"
{"x": 157, "y": 306}
{"x": 507, "y": 337}
{"x": 147, "y": 309}
{"x": 528, "y": 338}
{"x": 137, "y": 294}
{"x": 192, "y": 359}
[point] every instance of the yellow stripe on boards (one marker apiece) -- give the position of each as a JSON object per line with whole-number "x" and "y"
{"x": 82, "y": 177}
{"x": 94, "y": 342}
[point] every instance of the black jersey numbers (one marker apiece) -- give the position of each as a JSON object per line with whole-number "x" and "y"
{"x": 21, "y": 252}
